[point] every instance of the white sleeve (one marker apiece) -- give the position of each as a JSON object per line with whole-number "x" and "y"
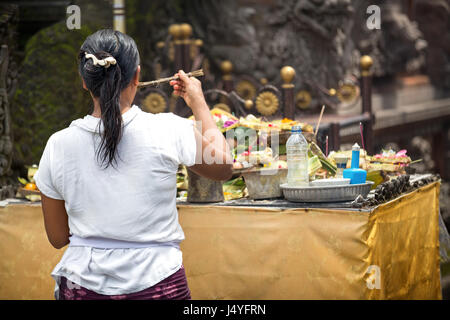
{"x": 184, "y": 140}
{"x": 44, "y": 177}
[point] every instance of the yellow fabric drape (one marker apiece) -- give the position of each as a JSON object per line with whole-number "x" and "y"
{"x": 403, "y": 238}
{"x": 26, "y": 256}
{"x": 391, "y": 252}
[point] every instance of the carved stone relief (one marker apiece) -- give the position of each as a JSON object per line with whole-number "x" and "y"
{"x": 8, "y": 82}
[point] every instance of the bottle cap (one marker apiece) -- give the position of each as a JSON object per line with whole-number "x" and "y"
{"x": 356, "y": 147}
{"x": 296, "y": 129}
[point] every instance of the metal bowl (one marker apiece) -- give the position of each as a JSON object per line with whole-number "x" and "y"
{"x": 264, "y": 183}
{"x": 326, "y": 194}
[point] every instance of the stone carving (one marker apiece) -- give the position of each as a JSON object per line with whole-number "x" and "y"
{"x": 437, "y": 35}
{"x": 397, "y": 47}
{"x": 313, "y": 36}
{"x": 8, "y": 74}
{"x": 321, "y": 39}
{"x": 8, "y": 36}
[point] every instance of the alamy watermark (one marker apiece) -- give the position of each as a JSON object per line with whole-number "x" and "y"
{"x": 374, "y": 20}
{"x": 73, "y": 20}
{"x": 373, "y": 281}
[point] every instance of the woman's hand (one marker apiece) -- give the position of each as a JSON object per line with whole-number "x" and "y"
{"x": 190, "y": 89}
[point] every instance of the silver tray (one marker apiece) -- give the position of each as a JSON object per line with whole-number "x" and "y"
{"x": 326, "y": 194}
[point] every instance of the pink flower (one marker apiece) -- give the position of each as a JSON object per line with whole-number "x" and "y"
{"x": 401, "y": 154}
{"x": 229, "y": 123}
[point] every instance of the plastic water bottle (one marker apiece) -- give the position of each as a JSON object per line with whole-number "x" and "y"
{"x": 297, "y": 158}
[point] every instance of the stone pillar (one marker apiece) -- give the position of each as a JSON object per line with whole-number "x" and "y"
{"x": 288, "y": 74}
{"x": 366, "y": 96}
{"x": 178, "y": 32}
{"x": 334, "y": 138}
{"x": 175, "y": 32}
{"x": 119, "y": 15}
{"x": 227, "y": 67}
{"x": 186, "y": 32}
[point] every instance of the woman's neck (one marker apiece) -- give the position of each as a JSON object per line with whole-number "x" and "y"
{"x": 124, "y": 107}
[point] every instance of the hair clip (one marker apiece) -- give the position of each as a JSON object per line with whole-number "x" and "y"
{"x": 103, "y": 62}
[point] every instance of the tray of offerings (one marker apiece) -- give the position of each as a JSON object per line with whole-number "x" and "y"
{"x": 330, "y": 193}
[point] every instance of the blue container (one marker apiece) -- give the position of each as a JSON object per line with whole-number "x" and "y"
{"x": 355, "y": 174}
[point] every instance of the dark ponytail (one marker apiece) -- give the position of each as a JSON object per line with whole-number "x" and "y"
{"x": 106, "y": 84}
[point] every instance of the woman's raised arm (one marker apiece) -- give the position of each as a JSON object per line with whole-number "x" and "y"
{"x": 216, "y": 161}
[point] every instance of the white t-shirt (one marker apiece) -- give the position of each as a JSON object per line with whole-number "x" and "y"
{"x": 135, "y": 201}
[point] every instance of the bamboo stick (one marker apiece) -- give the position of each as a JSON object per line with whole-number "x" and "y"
{"x": 320, "y": 119}
{"x": 196, "y": 73}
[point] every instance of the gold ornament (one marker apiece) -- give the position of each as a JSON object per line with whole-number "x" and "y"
{"x": 303, "y": 99}
{"x": 365, "y": 63}
{"x": 267, "y": 103}
{"x": 347, "y": 92}
{"x": 154, "y": 103}
{"x": 226, "y": 67}
{"x": 287, "y": 74}
{"x": 222, "y": 106}
{"x": 195, "y": 48}
{"x": 248, "y": 104}
{"x": 175, "y": 31}
{"x": 160, "y": 44}
{"x": 185, "y": 31}
{"x": 246, "y": 90}
{"x": 198, "y": 42}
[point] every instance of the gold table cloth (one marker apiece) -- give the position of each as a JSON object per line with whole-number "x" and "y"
{"x": 389, "y": 252}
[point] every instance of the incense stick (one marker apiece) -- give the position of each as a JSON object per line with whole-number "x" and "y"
{"x": 362, "y": 137}
{"x": 320, "y": 119}
{"x": 196, "y": 73}
{"x": 415, "y": 161}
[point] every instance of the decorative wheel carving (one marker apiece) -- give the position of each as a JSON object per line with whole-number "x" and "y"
{"x": 347, "y": 92}
{"x": 246, "y": 90}
{"x": 303, "y": 99}
{"x": 154, "y": 102}
{"x": 267, "y": 103}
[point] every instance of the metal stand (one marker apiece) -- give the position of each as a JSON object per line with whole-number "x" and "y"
{"x": 201, "y": 189}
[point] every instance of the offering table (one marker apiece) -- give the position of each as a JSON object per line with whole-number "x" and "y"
{"x": 239, "y": 251}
